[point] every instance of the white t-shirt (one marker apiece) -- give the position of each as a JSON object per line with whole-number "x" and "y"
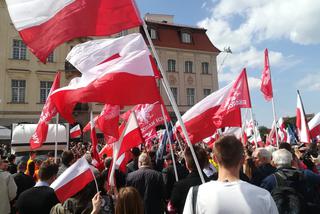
{"x": 231, "y": 197}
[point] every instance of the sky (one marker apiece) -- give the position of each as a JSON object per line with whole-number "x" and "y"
{"x": 290, "y": 29}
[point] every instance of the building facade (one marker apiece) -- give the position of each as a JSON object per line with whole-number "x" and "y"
{"x": 186, "y": 54}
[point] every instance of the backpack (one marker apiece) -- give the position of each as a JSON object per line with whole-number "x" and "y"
{"x": 288, "y": 193}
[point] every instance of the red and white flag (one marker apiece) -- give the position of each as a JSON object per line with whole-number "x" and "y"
{"x": 125, "y": 79}
{"x": 238, "y": 97}
{"x": 149, "y": 116}
{"x": 301, "y": 122}
{"x": 44, "y": 26}
{"x": 199, "y": 119}
{"x": 130, "y": 137}
{"x": 272, "y": 138}
{"x": 49, "y": 110}
{"x": 266, "y": 84}
{"x": 96, "y": 161}
{"x": 282, "y": 130}
{"x": 107, "y": 121}
{"x": 314, "y": 126}
{"x": 75, "y": 132}
{"x": 74, "y": 179}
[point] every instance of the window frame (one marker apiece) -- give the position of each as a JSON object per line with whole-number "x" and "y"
{"x": 191, "y": 96}
{"x": 205, "y": 67}
{"x": 50, "y": 58}
{"x": 18, "y": 92}
{"x": 174, "y": 91}
{"x": 186, "y": 37}
{"x": 19, "y": 50}
{"x": 188, "y": 67}
{"x": 206, "y": 90}
{"x": 46, "y": 90}
{"x": 172, "y": 66}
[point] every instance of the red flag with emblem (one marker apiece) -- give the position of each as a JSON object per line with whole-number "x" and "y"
{"x": 266, "y": 84}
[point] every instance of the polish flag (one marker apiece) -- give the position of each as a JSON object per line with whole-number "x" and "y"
{"x": 301, "y": 122}
{"x": 44, "y": 26}
{"x": 107, "y": 121}
{"x": 122, "y": 71}
{"x": 238, "y": 97}
{"x": 48, "y": 111}
{"x": 96, "y": 161}
{"x": 282, "y": 130}
{"x": 271, "y": 138}
{"x": 75, "y": 132}
{"x": 235, "y": 131}
{"x": 74, "y": 179}
{"x": 199, "y": 119}
{"x": 130, "y": 137}
{"x": 314, "y": 126}
{"x": 266, "y": 84}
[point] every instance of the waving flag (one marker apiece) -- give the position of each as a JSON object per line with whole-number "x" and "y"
{"x": 45, "y": 25}
{"x": 107, "y": 121}
{"x": 75, "y": 132}
{"x": 199, "y": 119}
{"x": 238, "y": 97}
{"x": 266, "y": 84}
{"x": 314, "y": 126}
{"x": 121, "y": 75}
{"x": 301, "y": 122}
{"x": 49, "y": 110}
{"x": 282, "y": 130}
{"x": 96, "y": 161}
{"x": 74, "y": 179}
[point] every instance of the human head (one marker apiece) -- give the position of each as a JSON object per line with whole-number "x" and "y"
{"x": 261, "y": 156}
{"x": 11, "y": 158}
{"x": 48, "y": 171}
{"x": 107, "y": 162}
{"x": 190, "y": 164}
{"x": 88, "y": 157}
{"x": 4, "y": 165}
{"x": 67, "y": 158}
{"x": 286, "y": 146}
{"x": 22, "y": 166}
{"x": 229, "y": 152}
{"x": 282, "y": 158}
{"x": 129, "y": 201}
{"x": 144, "y": 160}
{"x": 135, "y": 152}
{"x": 32, "y": 155}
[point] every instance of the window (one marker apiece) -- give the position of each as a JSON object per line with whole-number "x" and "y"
{"x": 18, "y": 91}
{"x": 175, "y": 94}
{"x": 123, "y": 33}
{"x": 188, "y": 66}
{"x": 19, "y": 50}
{"x": 50, "y": 57}
{"x": 190, "y": 96}
{"x": 186, "y": 37}
{"x": 171, "y": 65}
{"x": 45, "y": 87}
{"x": 206, "y": 92}
{"x": 205, "y": 68}
{"x": 153, "y": 33}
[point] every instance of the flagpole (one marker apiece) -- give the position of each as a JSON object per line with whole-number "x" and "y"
{"x": 244, "y": 125}
{"x": 170, "y": 143}
{"x": 254, "y": 128}
{"x": 174, "y": 131}
{"x": 165, "y": 84}
{"x": 56, "y": 139}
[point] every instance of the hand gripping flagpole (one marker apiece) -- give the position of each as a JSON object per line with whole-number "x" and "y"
{"x": 170, "y": 142}
{"x": 165, "y": 84}
{"x": 56, "y": 139}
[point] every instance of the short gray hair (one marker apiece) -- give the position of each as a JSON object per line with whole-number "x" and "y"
{"x": 144, "y": 159}
{"x": 282, "y": 158}
{"x": 263, "y": 153}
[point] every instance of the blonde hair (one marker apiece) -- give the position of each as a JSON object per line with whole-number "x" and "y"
{"x": 129, "y": 201}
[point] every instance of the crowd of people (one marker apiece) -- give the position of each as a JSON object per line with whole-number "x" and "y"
{"x": 238, "y": 179}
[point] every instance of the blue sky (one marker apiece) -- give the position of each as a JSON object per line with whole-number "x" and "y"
{"x": 288, "y": 28}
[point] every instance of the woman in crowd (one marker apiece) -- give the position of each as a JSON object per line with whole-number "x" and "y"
{"x": 129, "y": 201}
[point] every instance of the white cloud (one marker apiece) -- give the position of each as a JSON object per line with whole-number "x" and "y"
{"x": 311, "y": 82}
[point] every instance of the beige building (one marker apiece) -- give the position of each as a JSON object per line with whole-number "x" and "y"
{"x": 185, "y": 52}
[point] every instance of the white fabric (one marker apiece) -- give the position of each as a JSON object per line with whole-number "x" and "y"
{"x": 8, "y": 191}
{"x": 231, "y": 197}
{"x": 315, "y": 121}
{"x": 304, "y": 131}
{"x": 28, "y": 13}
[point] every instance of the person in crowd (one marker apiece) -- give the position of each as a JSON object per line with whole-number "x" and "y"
{"x": 208, "y": 168}
{"x": 67, "y": 159}
{"x": 129, "y": 201}
{"x": 263, "y": 168}
{"x": 31, "y": 164}
{"x": 50, "y": 156}
{"x": 4, "y": 164}
{"x": 133, "y": 165}
{"x": 37, "y": 163}
{"x": 40, "y": 198}
{"x": 93, "y": 168}
{"x": 229, "y": 194}
{"x": 12, "y": 167}
{"x": 8, "y": 190}
{"x": 150, "y": 185}
{"x": 181, "y": 188}
{"x": 22, "y": 180}
{"x": 305, "y": 182}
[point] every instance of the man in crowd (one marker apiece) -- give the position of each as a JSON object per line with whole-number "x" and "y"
{"x": 149, "y": 183}
{"x": 22, "y": 180}
{"x": 40, "y": 198}
{"x": 181, "y": 188}
{"x": 12, "y": 167}
{"x": 263, "y": 168}
{"x": 67, "y": 159}
{"x": 133, "y": 165}
{"x": 8, "y": 190}
{"x": 229, "y": 194}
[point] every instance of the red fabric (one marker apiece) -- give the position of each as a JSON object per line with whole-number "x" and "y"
{"x": 238, "y": 97}
{"x": 301, "y": 122}
{"x": 75, "y": 132}
{"x": 266, "y": 84}
{"x": 49, "y": 110}
{"x": 118, "y": 89}
{"x": 315, "y": 131}
{"x": 94, "y": 149}
{"x": 107, "y": 121}
{"x": 74, "y": 186}
{"x": 80, "y": 19}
